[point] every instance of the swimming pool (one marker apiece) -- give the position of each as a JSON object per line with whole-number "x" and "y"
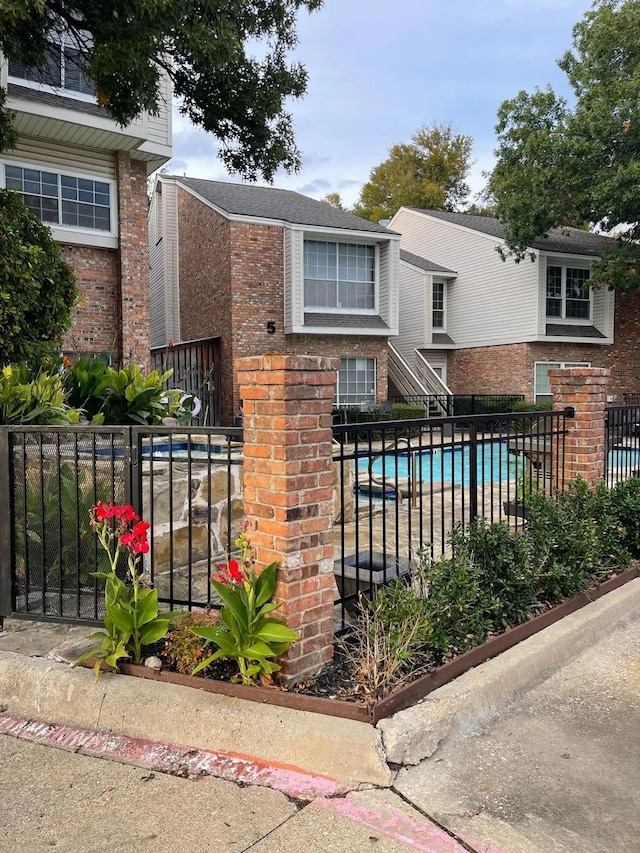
{"x": 449, "y": 465}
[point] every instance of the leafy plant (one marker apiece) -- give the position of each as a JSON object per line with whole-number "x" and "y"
{"x": 86, "y": 382}
{"x": 132, "y": 619}
{"x": 182, "y": 647}
{"x": 133, "y": 398}
{"x": 246, "y": 633}
{"x": 25, "y": 399}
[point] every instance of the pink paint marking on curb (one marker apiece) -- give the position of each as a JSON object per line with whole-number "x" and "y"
{"x": 174, "y": 759}
{"x": 414, "y": 831}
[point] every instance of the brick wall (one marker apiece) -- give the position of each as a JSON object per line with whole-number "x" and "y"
{"x": 509, "y": 368}
{"x": 95, "y": 317}
{"x": 133, "y": 256}
{"x": 113, "y": 312}
{"x": 232, "y": 285}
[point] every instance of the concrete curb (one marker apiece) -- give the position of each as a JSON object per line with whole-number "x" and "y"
{"x": 345, "y": 751}
{"x": 480, "y": 694}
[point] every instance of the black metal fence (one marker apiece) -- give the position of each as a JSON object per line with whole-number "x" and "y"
{"x": 196, "y": 370}
{"x": 463, "y": 404}
{"x": 404, "y": 485}
{"x": 185, "y": 483}
{"x": 622, "y": 459}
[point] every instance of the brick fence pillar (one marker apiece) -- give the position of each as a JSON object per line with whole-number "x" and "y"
{"x": 585, "y": 390}
{"x": 288, "y": 491}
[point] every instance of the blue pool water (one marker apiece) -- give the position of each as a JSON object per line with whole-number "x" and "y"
{"x": 449, "y": 465}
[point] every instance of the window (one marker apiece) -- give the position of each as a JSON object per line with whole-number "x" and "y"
{"x": 356, "y": 381}
{"x": 568, "y": 293}
{"x": 339, "y": 276}
{"x": 542, "y": 368}
{"x": 437, "y": 315}
{"x": 64, "y": 68}
{"x": 63, "y": 200}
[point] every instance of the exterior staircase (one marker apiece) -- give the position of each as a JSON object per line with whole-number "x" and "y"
{"x": 422, "y": 382}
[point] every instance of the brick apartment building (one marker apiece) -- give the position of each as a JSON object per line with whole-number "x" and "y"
{"x": 269, "y": 270}
{"x": 86, "y": 178}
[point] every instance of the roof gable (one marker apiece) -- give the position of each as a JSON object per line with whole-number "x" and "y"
{"x": 565, "y": 240}
{"x": 283, "y": 205}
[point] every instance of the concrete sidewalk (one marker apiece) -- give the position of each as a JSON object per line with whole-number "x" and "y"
{"x": 328, "y": 761}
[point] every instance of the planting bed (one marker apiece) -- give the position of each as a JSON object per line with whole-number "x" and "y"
{"x": 329, "y": 692}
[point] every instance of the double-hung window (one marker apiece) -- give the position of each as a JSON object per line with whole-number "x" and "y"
{"x": 68, "y": 201}
{"x": 437, "y": 311}
{"x": 568, "y": 293}
{"x": 64, "y": 68}
{"x": 339, "y": 276}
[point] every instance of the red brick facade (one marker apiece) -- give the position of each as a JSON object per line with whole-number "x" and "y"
{"x": 232, "y": 284}
{"x": 509, "y": 369}
{"x": 113, "y": 312}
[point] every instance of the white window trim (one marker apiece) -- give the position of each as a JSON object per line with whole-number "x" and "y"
{"x": 71, "y": 233}
{"x": 570, "y": 321}
{"x": 558, "y": 365}
{"x": 62, "y": 40}
{"x": 372, "y": 312}
{"x": 372, "y": 402}
{"x": 443, "y": 282}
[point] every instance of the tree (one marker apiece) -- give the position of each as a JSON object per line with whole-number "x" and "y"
{"x": 566, "y": 165}
{"x": 37, "y": 287}
{"x": 428, "y": 172}
{"x": 227, "y": 60}
{"x": 335, "y": 200}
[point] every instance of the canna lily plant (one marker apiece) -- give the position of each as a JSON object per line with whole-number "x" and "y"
{"x": 246, "y": 632}
{"x": 131, "y": 619}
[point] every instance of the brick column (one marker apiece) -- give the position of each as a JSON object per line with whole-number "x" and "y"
{"x": 134, "y": 261}
{"x": 288, "y": 492}
{"x": 585, "y": 390}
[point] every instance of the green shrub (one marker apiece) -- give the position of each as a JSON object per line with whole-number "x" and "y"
{"x": 624, "y": 510}
{"x": 25, "y": 399}
{"x": 530, "y": 406}
{"x": 406, "y": 412}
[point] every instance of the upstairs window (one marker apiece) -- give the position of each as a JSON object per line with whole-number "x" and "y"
{"x": 64, "y": 68}
{"x": 568, "y": 293}
{"x": 437, "y": 312}
{"x": 339, "y": 276}
{"x": 63, "y": 200}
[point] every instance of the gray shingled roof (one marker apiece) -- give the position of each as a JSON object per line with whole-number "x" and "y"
{"x": 27, "y": 94}
{"x": 441, "y": 338}
{"x": 423, "y": 263}
{"x": 570, "y": 240}
{"x": 566, "y": 330}
{"x": 271, "y": 203}
{"x": 349, "y": 321}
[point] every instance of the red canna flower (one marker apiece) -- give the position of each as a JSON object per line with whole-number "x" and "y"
{"x": 136, "y": 539}
{"x": 229, "y": 574}
{"x": 103, "y": 511}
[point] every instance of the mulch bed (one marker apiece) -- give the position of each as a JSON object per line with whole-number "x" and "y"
{"x": 332, "y": 691}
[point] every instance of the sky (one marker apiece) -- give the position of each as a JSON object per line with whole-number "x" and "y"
{"x": 379, "y": 71}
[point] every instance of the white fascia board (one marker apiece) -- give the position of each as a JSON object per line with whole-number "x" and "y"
{"x": 440, "y": 346}
{"x": 84, "y": 238}
{"x": 371, "y": 236}
{"x": 564, "y": 257}
{"x": 551, "y": 339}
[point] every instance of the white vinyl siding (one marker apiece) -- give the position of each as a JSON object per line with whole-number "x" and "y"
{"x": 50, "y": 155}
{"x": 492, "y": 301}
{"x": 413, "y": 321}
{"x": 163, "y": 260}
{"x": 158, "y": 126}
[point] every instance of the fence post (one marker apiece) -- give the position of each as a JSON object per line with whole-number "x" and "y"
{"x": 6, "y": 526}
{"x": 288, "y": 491}
{"x": 584, "y": 389}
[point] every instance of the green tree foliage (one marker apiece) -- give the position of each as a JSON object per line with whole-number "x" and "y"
{"x": 37, "y": 287}
{"x": 335, "y": 200}
{"x": 228, "y": 61}
{"x": 561, "y": 164}
{"x": 428, "y": 172}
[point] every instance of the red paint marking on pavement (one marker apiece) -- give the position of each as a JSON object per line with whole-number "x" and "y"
{"x": 414, "y": 831}
{"x": 174, "y": 759}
